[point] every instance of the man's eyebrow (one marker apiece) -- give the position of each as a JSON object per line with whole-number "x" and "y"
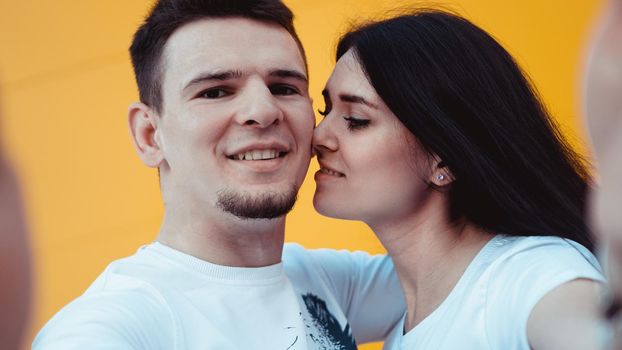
{"x": 288, "y": 73}
{"x": 209, "y": 76}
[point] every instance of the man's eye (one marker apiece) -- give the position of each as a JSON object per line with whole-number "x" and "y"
{"x": 213, "y": 93}
{"x": 283, "y": 90}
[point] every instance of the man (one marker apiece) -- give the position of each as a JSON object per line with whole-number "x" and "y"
{"x": 14, "y": 260}
{"x": 604, "y": 111}
{"x": 226, "y": 118}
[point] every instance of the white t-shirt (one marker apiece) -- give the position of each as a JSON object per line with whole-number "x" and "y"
{"x": 489, "y": 306}
{"x": 160, "y": 298}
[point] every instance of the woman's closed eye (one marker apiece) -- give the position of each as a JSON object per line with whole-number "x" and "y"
{"x": 356, "y": 123}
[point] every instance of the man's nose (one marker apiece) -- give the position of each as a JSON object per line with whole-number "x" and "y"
{"x": 259, "y": 107}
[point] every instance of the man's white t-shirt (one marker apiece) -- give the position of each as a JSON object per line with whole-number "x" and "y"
{"x": 489, "y": 306}
{"x": 160, "y": 298}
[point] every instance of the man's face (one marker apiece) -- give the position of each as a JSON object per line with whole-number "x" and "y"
{"x": 236, "y": 123}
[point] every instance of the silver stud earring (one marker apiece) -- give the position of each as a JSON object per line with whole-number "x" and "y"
{"x": 440, "y": 177}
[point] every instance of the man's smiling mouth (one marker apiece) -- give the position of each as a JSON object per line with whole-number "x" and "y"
{"x": 265, "y": 154}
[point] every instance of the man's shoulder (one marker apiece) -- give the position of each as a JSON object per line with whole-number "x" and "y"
{"x": 120, "y": 304}
{"x": 131, "y": 284}
{"x": 133, "y": 273}
{"x": 115, "y": 320}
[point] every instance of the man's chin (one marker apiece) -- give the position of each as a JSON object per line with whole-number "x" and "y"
{"x": 250, "y": 206}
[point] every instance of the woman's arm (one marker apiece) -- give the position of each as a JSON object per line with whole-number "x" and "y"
{"x": 567, "y": 318}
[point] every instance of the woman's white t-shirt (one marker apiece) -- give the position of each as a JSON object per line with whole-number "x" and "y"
{"x": 489, "y": 306}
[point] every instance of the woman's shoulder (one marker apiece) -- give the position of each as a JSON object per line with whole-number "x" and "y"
{"x": 530, "y": 267}
{"x": 527, "y": 267}
{"x": 523, "y": 272}
{"x": 539, "y": 259}
{"x": 543, "y": 251}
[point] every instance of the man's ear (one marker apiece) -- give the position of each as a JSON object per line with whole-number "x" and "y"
{"x": 441, "y": 175}
{"x": 143, "y": 123}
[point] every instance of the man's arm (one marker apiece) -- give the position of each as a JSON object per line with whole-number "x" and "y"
{"x": 368, "y": 290}
{"x": 14, "y": 261}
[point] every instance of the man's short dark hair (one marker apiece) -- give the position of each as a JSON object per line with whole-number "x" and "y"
{"x": 166, "y": 16}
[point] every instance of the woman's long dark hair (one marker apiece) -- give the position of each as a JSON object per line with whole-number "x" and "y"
{"x": 466, "y": 100}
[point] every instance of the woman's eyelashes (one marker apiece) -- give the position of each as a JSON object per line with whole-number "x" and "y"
{"x": 356, "y": 123}
{"x": 353, "y": 123}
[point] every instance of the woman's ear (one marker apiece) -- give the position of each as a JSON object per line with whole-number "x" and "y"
{"x": 143, "y": 123}
{"x": 441, "y": 175}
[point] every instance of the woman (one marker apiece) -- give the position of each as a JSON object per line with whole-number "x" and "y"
{"x": 435, "y": 139}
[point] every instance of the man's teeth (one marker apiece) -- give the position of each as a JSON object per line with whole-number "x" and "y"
{"x": 258, "y": 155}
{"x": 330, "y": 172}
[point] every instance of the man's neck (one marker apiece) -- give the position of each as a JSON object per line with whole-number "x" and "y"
{"x": 225, "y": 240}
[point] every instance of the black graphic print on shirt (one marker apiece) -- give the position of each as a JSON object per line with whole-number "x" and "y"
{"x": 331, "y": 336}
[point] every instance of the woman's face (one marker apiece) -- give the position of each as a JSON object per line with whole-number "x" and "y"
{"x": 371, "y": 167}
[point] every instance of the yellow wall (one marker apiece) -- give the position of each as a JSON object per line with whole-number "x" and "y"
{"x": 66, "y": 82}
